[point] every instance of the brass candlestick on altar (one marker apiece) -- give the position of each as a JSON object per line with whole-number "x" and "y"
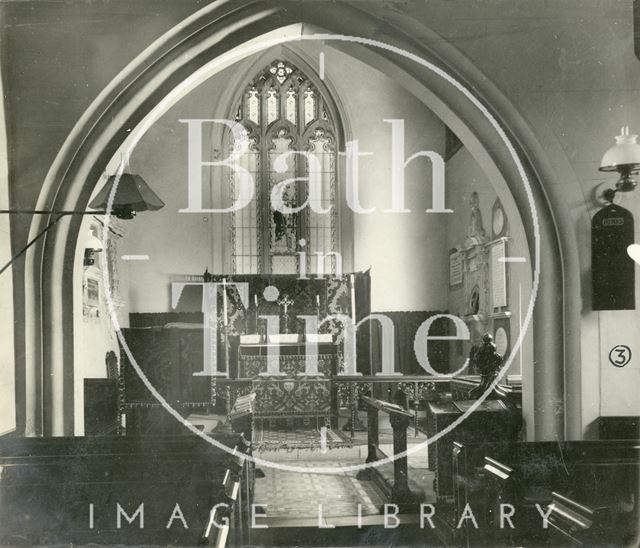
{"x": 225, "y": 319}
{"x": 255, "y": 312}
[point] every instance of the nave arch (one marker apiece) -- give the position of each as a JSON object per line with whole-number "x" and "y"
{"x": 203, "y": 37}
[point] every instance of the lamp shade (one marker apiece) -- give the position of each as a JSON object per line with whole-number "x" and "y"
{"x": 132, "y": 195}
{"x": 624, "y": 155}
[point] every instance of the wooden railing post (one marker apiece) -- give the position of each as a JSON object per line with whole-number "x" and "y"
{"x": 400, "y": 420}
{"x": 401, "y": 492}
{"x": 373, "y": 437}
{"x": 354, "y": 423}
{"x": 373, "y": 433}
{"x": 353, "y": 408}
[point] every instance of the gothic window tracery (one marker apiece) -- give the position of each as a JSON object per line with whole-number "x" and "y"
{"x": 283, "y": 113}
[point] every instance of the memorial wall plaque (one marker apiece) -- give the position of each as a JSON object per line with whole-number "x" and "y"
{"x": 498, "y": 275}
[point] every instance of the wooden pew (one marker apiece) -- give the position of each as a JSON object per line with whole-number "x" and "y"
{"x": 217, "y": 531}
{"x": 491, "y": 420}
{"x": 75, "y": 490}
{"x": 461, "y": 389}
{"x": 526, "y": 474}
{"x": 569, "y": 521}
{"x": 619, "y": 428}
{"x": 575, "y": 524}
{"x": 228, "y": 524}
{"x": 498, "y": 418}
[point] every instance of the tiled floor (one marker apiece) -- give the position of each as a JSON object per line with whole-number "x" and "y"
{"x": 299, "y": 494}
{"x": 296, "y": 496}
{"x": 417, "y": 459}
{"x": 385, "y": 432}
{"x": 269, "y": 439}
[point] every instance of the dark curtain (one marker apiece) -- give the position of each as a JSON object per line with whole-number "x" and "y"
{"x": 334, "y": 294}
{"x": 168, "y": 358}
{"x": 160, "y": 319}
{"x": 363, "y": 309}
{"x": 405, "y": 325}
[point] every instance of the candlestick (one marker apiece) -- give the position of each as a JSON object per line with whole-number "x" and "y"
{"x": 352, "y": 279}
{"x": 224, "y": 300}
{"x": 255, "y": 311}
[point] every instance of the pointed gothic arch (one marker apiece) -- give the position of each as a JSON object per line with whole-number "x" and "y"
{"x": 218, "y": 28}
{"x": 227, "y": 106}
{"x": 289, "y": 115}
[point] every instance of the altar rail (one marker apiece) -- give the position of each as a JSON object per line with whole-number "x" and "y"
{"x": 400, "y": 419}
{"x": 413, "y": 390}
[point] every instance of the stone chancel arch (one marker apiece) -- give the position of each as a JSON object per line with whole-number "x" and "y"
{"x": 202, "y": 38}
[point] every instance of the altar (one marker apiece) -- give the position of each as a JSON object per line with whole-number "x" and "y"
{"x": 292, "y": 393}
{"x": 252, "y": 359}
{"x": 299, "y": 386}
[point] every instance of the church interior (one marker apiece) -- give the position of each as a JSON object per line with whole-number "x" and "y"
{"x": 296, "y": 273}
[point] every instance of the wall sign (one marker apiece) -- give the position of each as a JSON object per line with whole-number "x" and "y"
{"x": 499, "y": 274}
{"x": 455, "y": 268}
{"x": 476, "y": 281}
{"x": 612, "y": 270}
{"x": 91, "y": 296}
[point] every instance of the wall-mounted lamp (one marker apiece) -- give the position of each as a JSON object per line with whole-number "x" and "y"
{"x": 132, "y": 195}
{"x": 612, "y": 231}
{"x": 623, "y": 157}
{"x": 92, "y": 246}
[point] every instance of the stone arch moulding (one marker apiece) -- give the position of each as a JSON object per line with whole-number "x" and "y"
{"x": 208, "y": 33}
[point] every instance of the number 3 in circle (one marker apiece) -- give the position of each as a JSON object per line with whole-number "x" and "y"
{"x": 620, "y": 355}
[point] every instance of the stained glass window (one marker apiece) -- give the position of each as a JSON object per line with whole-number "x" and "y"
{"x": 245, "y": 223}
{"x": 290, "y": 106}
{"x": 284, "y": 113}
{"x": 309, "y": 106}
{"x": 272, "y": 106}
